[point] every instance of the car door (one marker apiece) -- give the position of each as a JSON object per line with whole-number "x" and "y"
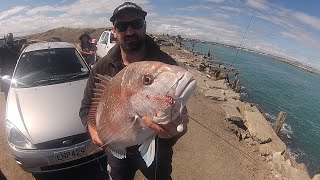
{"x": 105, "y": 44}
{"x": 111, "y": 41}
{"x": 101, "y": 44}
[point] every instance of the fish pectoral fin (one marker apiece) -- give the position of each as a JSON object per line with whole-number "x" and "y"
{"x": 119, "y": 153}
{"x": 148, "y": 150}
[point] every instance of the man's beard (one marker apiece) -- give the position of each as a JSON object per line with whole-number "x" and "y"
{"x": 132, "y": 43}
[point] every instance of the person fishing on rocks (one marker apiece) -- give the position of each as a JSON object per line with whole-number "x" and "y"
{"x": 133, "y": 45}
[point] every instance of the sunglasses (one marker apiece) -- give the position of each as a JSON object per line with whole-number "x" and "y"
{"x": 135, "y": 24}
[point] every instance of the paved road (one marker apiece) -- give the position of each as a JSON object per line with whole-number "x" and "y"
{"x": 11, "y": 171}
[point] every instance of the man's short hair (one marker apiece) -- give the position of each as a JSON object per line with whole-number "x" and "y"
{"x": 127, "y": 6}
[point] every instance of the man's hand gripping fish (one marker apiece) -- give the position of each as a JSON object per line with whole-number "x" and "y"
{"x": 143, "y": 89}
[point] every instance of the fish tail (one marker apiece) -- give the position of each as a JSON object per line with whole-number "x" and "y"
{"x": 119, "y": 153}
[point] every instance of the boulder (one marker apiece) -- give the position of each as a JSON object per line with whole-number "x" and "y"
{"x": 277, "y": 156}
{"x": 232, "y": 94}
{"x": 201, "y": 67}
{"x": 294, "y": 163}
{"x": 250, "y": 142}
{"x": 200, "y": 78}
{"x": 219, "y": 84}
{"x": 232, "y": 113}
{"x": 235, "y": 103}
{"x": 215, "y": 94}
{"x": 272, "y": 147}
{"x": 289, "y": 172}
{"x": 316, "y": 177}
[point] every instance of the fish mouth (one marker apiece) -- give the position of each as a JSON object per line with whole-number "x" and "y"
{"x": 185, "y": 87}
{"x": 177, "y": 97}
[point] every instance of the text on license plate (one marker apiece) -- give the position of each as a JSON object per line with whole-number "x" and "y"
{"x": 70, "y": 154}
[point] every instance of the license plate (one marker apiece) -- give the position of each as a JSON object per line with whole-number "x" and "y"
{"x": 70, "y": 154}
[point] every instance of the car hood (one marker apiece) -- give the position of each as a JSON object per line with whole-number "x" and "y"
{"x": 48, "y": 112}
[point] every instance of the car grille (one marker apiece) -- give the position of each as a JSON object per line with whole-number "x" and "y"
{"x": 74, "y": 163}
{"x": 63, "y": 142}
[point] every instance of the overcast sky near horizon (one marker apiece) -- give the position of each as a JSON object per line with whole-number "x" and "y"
{"x": 289, "y": 28}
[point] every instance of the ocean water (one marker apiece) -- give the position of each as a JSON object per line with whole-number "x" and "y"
{"x": 276, "y": 86}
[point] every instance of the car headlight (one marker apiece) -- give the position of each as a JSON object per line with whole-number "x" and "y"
{"x": 17, "y": 139}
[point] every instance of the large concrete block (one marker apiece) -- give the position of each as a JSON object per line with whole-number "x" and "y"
{"x": 258, "y": 126}
{"x": 289, "y": 172}
{"x": 231, "y": 94}
{"x": 215, "y": 94}
{"x": 232, "y": 113}
{"x": 260, "y": 130}
{"x": 220, "y": 84}
{"x": 316, "y": 177}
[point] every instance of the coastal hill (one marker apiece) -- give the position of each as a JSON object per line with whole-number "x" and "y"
{"x": 65, "y": 34}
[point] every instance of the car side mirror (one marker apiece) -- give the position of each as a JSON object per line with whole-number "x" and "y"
{"x": 6, "y": 79}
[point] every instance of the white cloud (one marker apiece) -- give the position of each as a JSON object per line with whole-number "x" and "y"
{"x": 194, "y": 8}
{"x": 216, "y": 1}
{"x": 258, "y": 4}
{"x": 305, "y": 38}
{"x": 86, "y": 7}
{"x": 307, "y": 19}
{"x": 219, "y": 24}
{"x": 230, "y": 8}
{"x": 89, "y": 7}
{"x": 43, "y": 9}
{"x": 214, "y": 29}
{"x": 221, "y": 16}
{"x": 82, "y": 13}
{"x": 11, "y": 12}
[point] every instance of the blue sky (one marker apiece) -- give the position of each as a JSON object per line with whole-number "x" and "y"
{"x": 288, "y": 28}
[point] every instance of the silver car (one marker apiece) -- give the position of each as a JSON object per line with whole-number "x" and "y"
{"x": 44, "y": 130}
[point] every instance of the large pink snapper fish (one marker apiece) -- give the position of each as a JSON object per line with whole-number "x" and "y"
{"x": 148, "y": 88}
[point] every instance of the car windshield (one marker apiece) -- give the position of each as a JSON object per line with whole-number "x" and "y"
{"x": 49, "y": 66}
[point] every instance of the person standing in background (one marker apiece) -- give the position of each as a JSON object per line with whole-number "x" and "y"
{"x": 85, "y": 48}
{"x": 9, "y": 55}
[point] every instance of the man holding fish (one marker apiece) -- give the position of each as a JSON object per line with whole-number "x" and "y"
{"x": 134, "y": 101}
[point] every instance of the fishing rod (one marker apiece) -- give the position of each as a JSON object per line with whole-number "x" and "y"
{"x": 244, "y": 35}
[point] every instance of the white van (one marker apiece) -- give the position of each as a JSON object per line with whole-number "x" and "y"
{"x": 105, "y": 43}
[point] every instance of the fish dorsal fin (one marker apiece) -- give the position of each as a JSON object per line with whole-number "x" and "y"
{"x": 104, "y": 80}
{"x": 119, "y": 153}
{"x": 148, "y": 150}
{"x": 98, "y": 91}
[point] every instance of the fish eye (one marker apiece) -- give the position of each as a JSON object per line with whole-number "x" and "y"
{"x": 147, "y": 79}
